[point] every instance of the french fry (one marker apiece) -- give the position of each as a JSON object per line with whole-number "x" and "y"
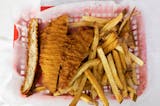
{"x": 63, "y": 91}
{"x": 78, "y": 93}
{"x": 130, "y": 41}
{"x": 84, "y": 24}
{"x": 112, "y": 23}
{"x": 122, "y": 58}
{"x": 88, "y": 99}
{"x": 120, "y": 49}
{"x": 127, "y": 57}
{"x": 130, "y": 89}
{"x": 100, "y": 69}
{"x": 83, "y": 68}
{"x": 136, "y": 59}
{"x": 133, "y": 96}
{"x": 114, "y": 29}
{"x": 39, "y": 89}
{"x": 95, "y": 73}
{"x": 126, "y": 32}
{"x": 97, "y": 76}
{"x": 71, "y": 92}
{"x": 93, "y": 93}
{"x": 81, "y": 23}
{"x": 134, "y": 74}
{"x": 109, "y": 74}
{"x": 95, "y": 19}
{"x": 126, "y": 20}
{"x": 120, "y": 71}
{"x": 127, "y": 35}
{"x": 114, "y": 71}
{"x": 111, "y": 35}
{"x": 129, "y": 80}
{"x": 109, "y": 39}
{"x": 104, "y": 80}
{"x": 132, "y": 93}
{"x": 111, "y": 46}
{"x": 77, "y": 83}
{"x": 92, "y": 55}
{"x": 95, "y": 42}
{"x": 97, "y": 87}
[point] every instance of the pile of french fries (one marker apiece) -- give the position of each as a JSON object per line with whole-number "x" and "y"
{"x": 110, "y": 61}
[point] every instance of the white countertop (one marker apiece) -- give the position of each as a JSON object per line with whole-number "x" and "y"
{"x": 10, "y": 9}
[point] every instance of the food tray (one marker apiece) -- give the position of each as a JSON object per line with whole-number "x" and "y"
{"x": 76, "y": 10}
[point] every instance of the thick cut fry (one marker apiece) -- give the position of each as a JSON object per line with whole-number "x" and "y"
{"x": 95, "y": 19}
{"x": 39, "y": 89}
{"x": 111, "y": 35}
{"x": 97, "y": 87}
{"x": 114, "y": 71}
{"x": 78, "y": 94}
{"x": 93, "y": 93}
{"x": 111, "y": 46}
{"x": 126, "y": 20}
{"x": 100, "y": 69}
{"x": 77, "y": 83}
{"x": 96, "y": 73}
{"x": 136, "y": 59}
{"x": 127, "y": 35}
{"x": 109, "y": 39}
{"x": 120, "y": 49}
{"x": 113, "y": 30}
{"x": 112, "y": 23}
{"x": 133, "y": 96}
{"x": 83, "y": 68}
{"x": 104, "y": 80}
{"x": 63, "y": 91}
{"x": 98, "y": 77}
{"x": 129, "y": 80}
{"x": 122, "y": 58}
{"x": 120, "y": 71}
{"x": 126, "y": 32}
{"x": 95, "y": 42}
{"x": 127, "y": 57}
{"x": 81, "y": 24}
{"x": 84, "y": 24}
{"x": 88, "y": 99}
{"x": 131, "y": 90}
{"x": 94, "y": 45}
{"x": 109, "y": 75}
{"x": 134, "y": 74}
{"x": 92, "y": 55}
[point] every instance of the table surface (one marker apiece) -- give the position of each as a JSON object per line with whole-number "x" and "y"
{"x": 10, "y": 9}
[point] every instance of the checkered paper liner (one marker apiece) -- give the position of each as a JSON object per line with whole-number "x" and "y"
{"x": 76, "y": 11}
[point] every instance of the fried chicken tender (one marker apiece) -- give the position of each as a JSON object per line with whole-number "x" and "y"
{"x": 75, "y": 49}
{"x": 51, "y": 41}
{"x": 62, "y": 54}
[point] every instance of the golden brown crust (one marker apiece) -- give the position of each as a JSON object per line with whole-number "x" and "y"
{"x": 51, "y": 42}
{"x": 32, "y": 54}
{"x": 57, "y": 49}
{"x": 75, "y": 50}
